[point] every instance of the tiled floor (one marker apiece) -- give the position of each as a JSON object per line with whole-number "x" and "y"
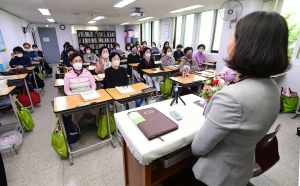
{"x": 38, "y": 164}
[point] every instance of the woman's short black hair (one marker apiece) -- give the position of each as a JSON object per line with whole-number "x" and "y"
{"x": 87, "y": 47}
{"x": 34, "y": 46}
{"x": 261, "y": 45}
{"x": 145, "y": 49}
{"x": 136, "y": 43}
{"x": 117, "y": 44}
{"x": 72, "y": 56}
{"x": 179, "y": 46}
{"x": 103, "y": 47}
{"x": 113, "y": 54}
{"x": 81, "y": 44}
{"x": 127, "y": 45}
{"x": 69, "y": 49}
{"x": 166, "y": 43}
{"x": 66, "y": 43}
{"x": 166, "y": 49}
{"x": 201, "y": 45}
{"x": 133, "y": 46}
{"x": 187, "y": 49}
{"x": 153, "y": 43}
{"x": 18, "y": 49}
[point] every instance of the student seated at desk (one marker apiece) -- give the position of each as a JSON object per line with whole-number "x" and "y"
{"x": 148, "y": 63}
{"x": 81, "y": 48}
{"x": 168, "y": 60}
{"x": 154, "y": 50}
{"x": 178, "y": 53}
{"x": 144, "y": 45}
{"x": 103, "y": 61}
{"x": 133, "y": 58}
{"x": 27, "y": 52}
{"x": 166, "y": 45}
{"x": 39, "y": 52}
{"x": 199, "y": 56}
{"x": 139, "y": 51}
{"x": 188, "y": 60}
{"x": 127, "y": 49}
{"x": 89, "y": 57}
{"x": 18, "y": 60}
{"x": 64, "y": 53}
{"x": 117, "y": 49}
{"x": 66, "y": 61}
{"x": 79, "y": 80}
{"x": 116, "y": 76}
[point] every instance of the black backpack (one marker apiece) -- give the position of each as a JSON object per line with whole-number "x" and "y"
{"x": 48, "y": 68}
{"x": 72, "y": 130}
{"x": 40, "y": 83}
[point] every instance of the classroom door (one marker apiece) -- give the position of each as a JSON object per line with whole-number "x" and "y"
{"x": 49, "y": 43}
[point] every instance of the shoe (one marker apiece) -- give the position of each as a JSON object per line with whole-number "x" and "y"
{"x": 159, "y": 93}
{"x": 154, "y": 94}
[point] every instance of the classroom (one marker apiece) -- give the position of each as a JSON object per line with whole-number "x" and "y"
{"x": 149, "y": 93}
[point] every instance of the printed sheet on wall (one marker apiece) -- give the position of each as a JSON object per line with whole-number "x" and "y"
{"x": 2, "y": 44}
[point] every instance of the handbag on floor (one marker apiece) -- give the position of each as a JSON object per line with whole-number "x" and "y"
{"x": 24, "y": 116}
{"x": 72, "y": 130}
{"x": 58, "y": 141}
{"x": 24, "y": 99}
{"x": 166, "y": 87}
{"x": 102, "y": 131}
{"x": 289, "y": 100}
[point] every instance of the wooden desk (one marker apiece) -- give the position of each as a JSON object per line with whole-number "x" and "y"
{"x": 123, "y": 62}
{"x": 61, "y": 61}
{"x": 67, "y": 105}
{"x": 132, "y": 66}
{"x": 206, "y": 64}
{"x": 157, "y": 62}
{"x": 22, "y": 77}
{"x": 174, "y": 67}
{"x": 136, "y": 174}
{"x": 86, "y": 64}
{"x": 190, "y": 81}
{"x": 156, "y": 72}
{"x": 8, "y": 93}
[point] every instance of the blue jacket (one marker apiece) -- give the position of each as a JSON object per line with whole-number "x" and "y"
{"x": 66, "y": 62}
{"x": 31, "y": 54}
{"x": 25, "y": 61}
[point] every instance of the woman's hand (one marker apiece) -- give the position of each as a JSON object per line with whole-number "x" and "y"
{"x": 19, "y": 66}
{"x": 12, "y": 55}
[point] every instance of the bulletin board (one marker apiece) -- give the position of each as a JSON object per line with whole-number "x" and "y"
{"x": 2, "y": 44}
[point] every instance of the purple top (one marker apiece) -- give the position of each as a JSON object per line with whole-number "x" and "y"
{"x": 200, "y": 58}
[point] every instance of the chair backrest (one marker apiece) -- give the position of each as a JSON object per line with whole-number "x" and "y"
{"x": 16, "y": 71}
{"x": 266, "y": 152}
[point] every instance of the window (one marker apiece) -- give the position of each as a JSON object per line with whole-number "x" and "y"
{"x": 155, "y": 33}
{"x": 146, "y": 33}
{"x": 188, "y": 32}
{"x": 178, "y": 31}
{"x": 205, "y": 29}
{"x": 217, "y": 32}
{"x": 292, "y": 15}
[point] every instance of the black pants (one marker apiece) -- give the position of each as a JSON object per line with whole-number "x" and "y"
{"x": 198, "y": 183}
{"x": 2, "y": 173}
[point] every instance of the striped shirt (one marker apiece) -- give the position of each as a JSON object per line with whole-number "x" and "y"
{"x": 75, "y": 84}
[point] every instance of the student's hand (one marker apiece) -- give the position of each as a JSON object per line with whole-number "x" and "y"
{"x": 19, "y": 66}
{"x": 183, "y": 57}
{"x": 12, "y": 55}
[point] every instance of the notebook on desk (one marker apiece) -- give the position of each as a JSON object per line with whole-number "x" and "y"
{"x": 90, "y": 95}
{"x": 156, "y": 123}
{"x": 125, "y": 89}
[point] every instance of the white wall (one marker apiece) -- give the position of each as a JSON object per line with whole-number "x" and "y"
{"x": 62, "y": 35}
{"x": 120, "y": 36}
{"x": 13, "y": 35}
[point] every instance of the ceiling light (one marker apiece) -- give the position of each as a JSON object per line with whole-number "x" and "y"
{"x": 125, "y": 23}
{"x": 186, "y": 8}
{"x": 91, "y": 22}
{"x": 123, "y": 3}
{"x": 146, "y": 18}
{"x": 44, "y": 11}
{"x": 98, "y": 18}
{"x": 51, "y": 20}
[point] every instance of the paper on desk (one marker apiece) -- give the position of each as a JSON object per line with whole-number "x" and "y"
{"x": 125, "y": 89}
{"x": 101, "y": 75}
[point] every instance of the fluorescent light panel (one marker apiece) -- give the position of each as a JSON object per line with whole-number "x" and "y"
{"x": 98, "y": 18}
{"x": 123, "y": 3}
{"x": 44, "y": 11}
{"x": 125, "y": 23}
{"x": 186, "y": 8}
{"x": 92, "y": 22}
{"x": 51, "y": 20}
{"x": 146, "y": 18}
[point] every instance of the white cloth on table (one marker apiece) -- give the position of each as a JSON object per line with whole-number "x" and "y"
{"x": 146, "y": 151}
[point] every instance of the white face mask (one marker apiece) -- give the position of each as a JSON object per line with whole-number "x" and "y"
{"x": 26, "y": 50}
{"x": 147, "y": 55}
{"x": 153, "y": 46}
{"x": 36, "y": 49}
{"x": 200, "y": 50}
{"x": 81, "y": 48}
{"x": 115, "y": 63}
{"x": 128, "y": 48}
{"x": 77, "y": 66}
{"x": 19, "y": 55}
{"x": 117, "y": 48}
{"x": 169, "y": 53}
{"x": 105, "y": 55}
{"x": 88, "y": 51}
{"x": 145, "y": 45}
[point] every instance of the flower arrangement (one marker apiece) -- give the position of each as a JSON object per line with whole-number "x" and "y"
{"x": 217, "y": 83}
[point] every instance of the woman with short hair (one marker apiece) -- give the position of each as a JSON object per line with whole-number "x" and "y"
{"x": 89, "y": 57}
{"x": 103, "y": 61}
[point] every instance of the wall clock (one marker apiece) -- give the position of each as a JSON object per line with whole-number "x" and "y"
{"x": 62, "y": 27}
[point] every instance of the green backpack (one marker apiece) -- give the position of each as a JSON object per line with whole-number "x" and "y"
{"x": 166, "y": 87}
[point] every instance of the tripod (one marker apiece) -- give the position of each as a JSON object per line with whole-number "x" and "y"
{"x": 176, "y": 95}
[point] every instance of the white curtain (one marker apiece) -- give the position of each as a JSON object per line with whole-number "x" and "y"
{"x": 273, "y": 5}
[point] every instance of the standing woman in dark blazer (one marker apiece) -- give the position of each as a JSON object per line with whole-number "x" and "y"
{"x": 240, "y": 115}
